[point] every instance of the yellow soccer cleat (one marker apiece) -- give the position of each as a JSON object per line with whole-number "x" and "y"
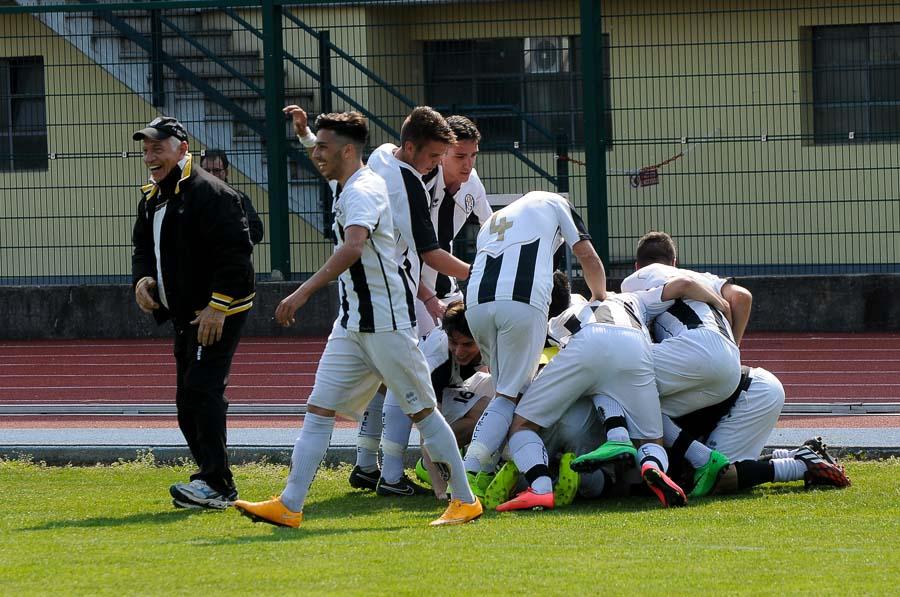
{"x": 567, "y": 483}
{"x": 271, "y": 511}
{"x": 459, "y": 513}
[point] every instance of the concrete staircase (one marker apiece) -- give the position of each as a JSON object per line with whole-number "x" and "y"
{"x": 208, "y": 121}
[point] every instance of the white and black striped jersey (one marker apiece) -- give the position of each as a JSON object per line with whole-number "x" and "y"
{"x": 448, "y": 215}
{"x": 625, "y": 309}
{"x": 515, "y": 250}
{"x": 414, "y": 233}
{"x": 683, "y": 314}
{"x": 373, "y": 291}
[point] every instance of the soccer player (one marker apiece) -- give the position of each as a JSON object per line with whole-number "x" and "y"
{"x": 607, "y": 354}
{"x": 425, "y": 138}
{"x": 457, "y": 196}
{"x": 507, "y": 303}
{"x": 696, "y": 359}
{"x": 373, "y": 339}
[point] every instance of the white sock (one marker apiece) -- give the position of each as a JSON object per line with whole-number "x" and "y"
{"x": 370, "y": 434}
{"x": 697, "y": 454}
{"x": 783, "y": 453}
{"x": 309, "y": 450}
{"x": 440, "y": 442}
{"x": 490, "y": 431}
{"x": 607, "y": 409}
{"x": 788, "y": 469}
{"x": 671, "y": 431}
{"x": 528, "y": 451}
{"x": 654, "y": 455}
{"x": 394, "y": 440}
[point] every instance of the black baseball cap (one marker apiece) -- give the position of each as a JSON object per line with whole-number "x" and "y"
{"x": 161, "y": 127}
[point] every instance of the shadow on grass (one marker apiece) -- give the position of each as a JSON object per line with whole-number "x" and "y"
{"x": 111, "y": 521}
{"x": 304, "y": 533}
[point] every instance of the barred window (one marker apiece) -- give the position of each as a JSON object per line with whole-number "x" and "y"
{"x": 525, "y": 90}
{"x": 856, "y": 82}
{"x": 23, "y": 115}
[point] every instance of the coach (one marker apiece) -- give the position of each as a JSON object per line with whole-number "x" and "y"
{"x": 192, "y": 264}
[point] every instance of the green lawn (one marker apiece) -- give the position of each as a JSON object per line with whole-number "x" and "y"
{"x": 112, "y": 529}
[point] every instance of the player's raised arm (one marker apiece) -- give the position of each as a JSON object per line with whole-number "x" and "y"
{"x": 301, "y": 127}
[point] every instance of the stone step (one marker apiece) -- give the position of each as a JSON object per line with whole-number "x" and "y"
{"x": 189, "y": 20}
{"x": 243, "y": 62}
{"x": 216, "y": 41}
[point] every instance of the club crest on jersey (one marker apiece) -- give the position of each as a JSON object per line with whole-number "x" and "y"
{"x": 434, "y": 201}
{"x": 470, "y": 203}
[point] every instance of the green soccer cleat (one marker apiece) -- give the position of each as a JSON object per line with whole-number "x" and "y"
{"x": 422, "y": 472}
{"x": 567, "y": 483}
{"x": 608, "y": 452}
{"x": 479, "y": 482}
{"x": 501, "y": 487}
{"x": 707, "y": 476}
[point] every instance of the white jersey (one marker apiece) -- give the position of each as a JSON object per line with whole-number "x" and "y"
{"x": 516, "y": 248}
{"x": 683, "y": 314}
{"x": 414, "y": 232}
{"x": 373, "y": 292}
{"x": 627, "y": 309}
{"x": 448, "y": 215}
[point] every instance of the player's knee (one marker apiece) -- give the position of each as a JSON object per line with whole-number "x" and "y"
{"x": 416, "y": 417}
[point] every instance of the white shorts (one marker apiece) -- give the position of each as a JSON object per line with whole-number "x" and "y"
{"x": 743, "y": 432}
{"x": 511, "y": 336}
{"x": 697, "y": 369}
{"x": 354, "y": 364}
{"x": 456, "y": 402}
{"x": 579, "y": 430}
{"x": 600, "y": 359}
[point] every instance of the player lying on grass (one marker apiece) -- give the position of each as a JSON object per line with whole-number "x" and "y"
{"x": 373, "y": 339}
{"x": 607, "y": 354}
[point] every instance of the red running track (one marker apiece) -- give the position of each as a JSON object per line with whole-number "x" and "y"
{"x": 813, "y": 367}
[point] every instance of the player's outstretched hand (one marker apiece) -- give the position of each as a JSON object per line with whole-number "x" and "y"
{"x": 298, "y": 115}
{"x": 436, "y": 308}
{"x": 284, "y": 313}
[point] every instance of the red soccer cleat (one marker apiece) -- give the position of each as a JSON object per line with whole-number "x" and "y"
{"x": 528, "y": 500}
{"x": 668, "y": 492}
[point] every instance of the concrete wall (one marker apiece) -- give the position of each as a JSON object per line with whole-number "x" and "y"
{"x": 109, "y": 311}
{"x": 796, "y": 304}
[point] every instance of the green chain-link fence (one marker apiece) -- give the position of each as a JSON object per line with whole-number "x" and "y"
{"x": 761, "y": 135}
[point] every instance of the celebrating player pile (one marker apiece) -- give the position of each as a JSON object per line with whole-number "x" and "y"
{"x": 646, "y": 394}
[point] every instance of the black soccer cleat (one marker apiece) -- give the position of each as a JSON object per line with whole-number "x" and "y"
{"x": 360, "y": 479}
{"x": 819, "y": 471}
{"x": 402, "y": 488}
{"x": 819, "y": 447}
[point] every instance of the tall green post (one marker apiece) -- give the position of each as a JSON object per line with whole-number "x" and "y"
{"x": 275, "y": 142}
{"x": 595, "y": 137}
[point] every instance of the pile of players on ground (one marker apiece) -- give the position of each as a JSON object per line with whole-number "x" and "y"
{"x": 550, "y": 395}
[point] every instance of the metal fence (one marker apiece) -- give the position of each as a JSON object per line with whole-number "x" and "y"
{"x": 762, "y": 136}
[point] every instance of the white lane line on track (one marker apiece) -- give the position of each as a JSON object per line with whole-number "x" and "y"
{"x": 118, "y": 375}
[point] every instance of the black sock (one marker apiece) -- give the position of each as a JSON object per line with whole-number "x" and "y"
{"x": 754, "y": 472}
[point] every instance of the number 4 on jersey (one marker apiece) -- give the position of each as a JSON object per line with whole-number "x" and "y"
{"x": 500, "y": 226}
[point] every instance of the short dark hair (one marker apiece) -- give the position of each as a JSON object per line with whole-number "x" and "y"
{"x": 454, "y": 319}
{"x": 561, "y": 295}
{"x": 655, "y": 247}
{"x": 212, "y": 154}
{"x": 425, "y": 124}
{"x": 351, "y": 125}
{"x": 463, "y": 128}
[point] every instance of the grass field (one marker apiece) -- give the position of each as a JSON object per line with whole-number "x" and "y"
{"x": 112, "y": 530}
